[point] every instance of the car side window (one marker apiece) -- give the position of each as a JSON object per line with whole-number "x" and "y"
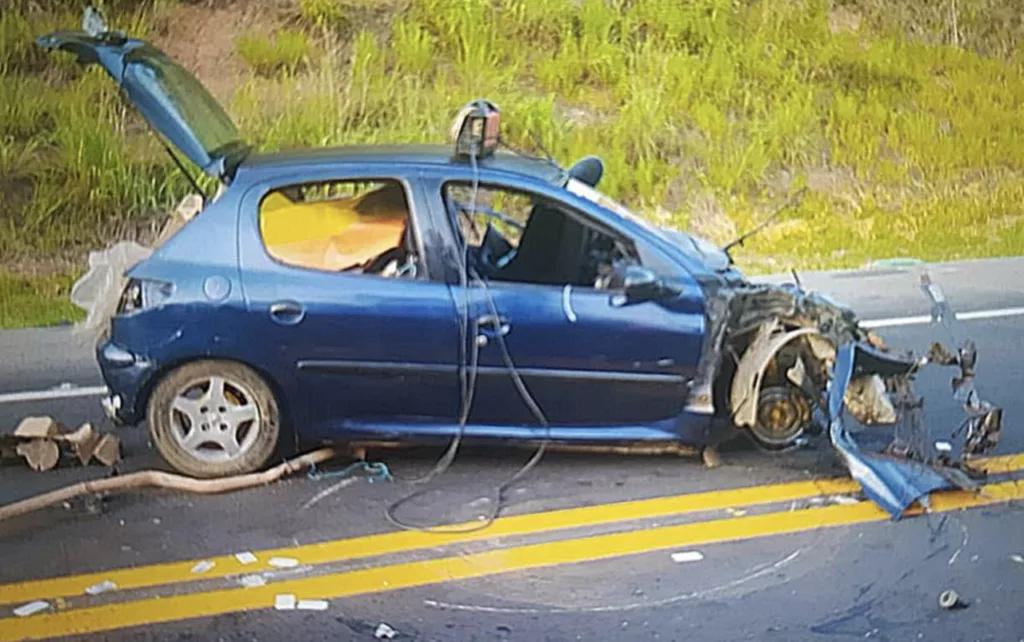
{"x": 516, "y": 236}
{"x": 351, "y": 226}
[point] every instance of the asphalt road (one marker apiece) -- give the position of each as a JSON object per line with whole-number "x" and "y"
{"x": 872, "y": 579}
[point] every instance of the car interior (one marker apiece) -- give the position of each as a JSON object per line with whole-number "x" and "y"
{"x": 341, "y": 227}
{"x": 553, "y": 246}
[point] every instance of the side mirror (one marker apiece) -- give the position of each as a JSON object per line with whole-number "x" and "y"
{"x": 638, "y": 285}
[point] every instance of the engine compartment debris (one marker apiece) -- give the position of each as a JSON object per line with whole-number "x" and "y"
{"x": 793, "y": 362}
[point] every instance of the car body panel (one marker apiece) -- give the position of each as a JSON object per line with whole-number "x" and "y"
{"x": 167, "y": 95}
{"x": 365, "y": 347}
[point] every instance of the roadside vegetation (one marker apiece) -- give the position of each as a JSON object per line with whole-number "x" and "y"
{"x": 903, "y": 119}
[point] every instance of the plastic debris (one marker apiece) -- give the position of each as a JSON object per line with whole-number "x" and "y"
{"x": 384, "y": 632}
{"x": 736, "y": 512}
{"x": 312, "y": 605}
{"x": 203, "y": 566}
{"x": 98, "y": 291}
{"x": 1017, "y": 558}
{"x": 943, "y": 446}
{"x": 687, "y": 556}
{"x": 283, "y": 562}
{"x": 252, "y": 581}
{"x": 245, "y": 558}
{"x": 844, "y": 500}
{"x": 31, "y": 608}
{"x": 284, "y": 602}
{"x": 102, "y": 587}
{"x": 950, "y": 599}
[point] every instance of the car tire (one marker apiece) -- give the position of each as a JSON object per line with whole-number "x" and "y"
{"x": 233, "y": 409}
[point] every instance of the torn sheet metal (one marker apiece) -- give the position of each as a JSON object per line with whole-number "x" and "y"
{"x": 911, "y": 468}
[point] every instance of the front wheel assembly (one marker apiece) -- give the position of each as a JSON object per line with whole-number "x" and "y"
{"x": 784, "y": 415}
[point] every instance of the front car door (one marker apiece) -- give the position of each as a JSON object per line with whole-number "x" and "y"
{"x": 341, "y": 305}
{"x": 587, "y": 362}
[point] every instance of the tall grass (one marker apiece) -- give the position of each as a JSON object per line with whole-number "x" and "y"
{"x": 706, "y": 112}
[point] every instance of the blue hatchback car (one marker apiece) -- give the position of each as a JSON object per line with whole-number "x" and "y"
{"x": 409, "y": 293}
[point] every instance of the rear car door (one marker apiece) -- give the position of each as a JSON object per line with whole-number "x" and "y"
{"x": 340, "y": 302}
{"x": 586, "y": 361}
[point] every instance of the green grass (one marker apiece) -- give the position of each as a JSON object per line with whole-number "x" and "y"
{"x": 284, "y": 50}
{"x": 34, "y": 301}
{"x": 908, "y": 131}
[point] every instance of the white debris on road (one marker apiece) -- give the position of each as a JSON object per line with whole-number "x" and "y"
{"x": 284, "y": 602}
{"x": 283, "y": 562}
{"x": 203, "y": 566}
{"x": 252, "y": 581}
{"x": 687, "y": 556}
{"x": 245, "y": 558}
{"x": 31, "y": 608}
{"x": 102, "y": 587}
{"x": 312, "y": 605}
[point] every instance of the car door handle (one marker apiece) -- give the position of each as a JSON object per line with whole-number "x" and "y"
{"x": 287, "y": 312}
{"x": 493, "y": 325}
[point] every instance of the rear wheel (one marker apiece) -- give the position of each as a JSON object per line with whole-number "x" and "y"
{"x": 214, "y": 419}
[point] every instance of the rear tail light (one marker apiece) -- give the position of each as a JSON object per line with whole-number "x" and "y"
{"x": 143, "y": 294}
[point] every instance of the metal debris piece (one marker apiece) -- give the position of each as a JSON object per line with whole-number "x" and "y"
{"x": 384, "y": 632}
{"x": 37, "y": 428}
{"x": 950, "y": 599}
{"x": 41, "y": 454}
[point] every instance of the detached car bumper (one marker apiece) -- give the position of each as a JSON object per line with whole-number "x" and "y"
{"x": 126, "y": 375}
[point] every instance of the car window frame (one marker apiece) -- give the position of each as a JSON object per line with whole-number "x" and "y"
{"x": 419, "y": 215}
{"x": 494, "y": 182}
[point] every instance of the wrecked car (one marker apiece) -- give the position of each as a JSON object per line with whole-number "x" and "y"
{"x": 365, "y": 293}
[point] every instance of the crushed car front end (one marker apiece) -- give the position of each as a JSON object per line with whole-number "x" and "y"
{"x": 783, "y": 364}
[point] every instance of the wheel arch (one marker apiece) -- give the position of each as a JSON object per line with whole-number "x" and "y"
{"x": 146, "y": 392}
{"x": 745, "y": 386}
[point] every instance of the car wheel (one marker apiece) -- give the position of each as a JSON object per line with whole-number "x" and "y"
{"x": 213, "y": 419}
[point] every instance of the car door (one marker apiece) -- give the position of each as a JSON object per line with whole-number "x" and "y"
{"x": 354, "y": 348}
{"x": 585, "y": 360}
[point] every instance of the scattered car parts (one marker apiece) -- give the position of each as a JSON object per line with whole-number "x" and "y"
{"x": 40, "y": 441}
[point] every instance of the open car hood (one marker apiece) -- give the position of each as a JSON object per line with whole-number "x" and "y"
{"x": 169, "y": 97}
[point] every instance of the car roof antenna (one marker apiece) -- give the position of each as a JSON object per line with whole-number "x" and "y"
{"x": 765, "y": 223}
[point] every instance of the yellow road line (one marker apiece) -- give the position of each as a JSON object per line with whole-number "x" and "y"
{"x": 422, "y": 573}
{"x": 406, "y": 541}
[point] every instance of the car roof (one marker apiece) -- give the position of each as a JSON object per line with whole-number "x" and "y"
{"x": 260, "y": 165}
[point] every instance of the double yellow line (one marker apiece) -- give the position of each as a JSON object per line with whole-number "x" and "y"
{"x": 101, "y": 617}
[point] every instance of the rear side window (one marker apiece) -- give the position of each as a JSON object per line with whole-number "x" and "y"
{"x": 359, "y": 227}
